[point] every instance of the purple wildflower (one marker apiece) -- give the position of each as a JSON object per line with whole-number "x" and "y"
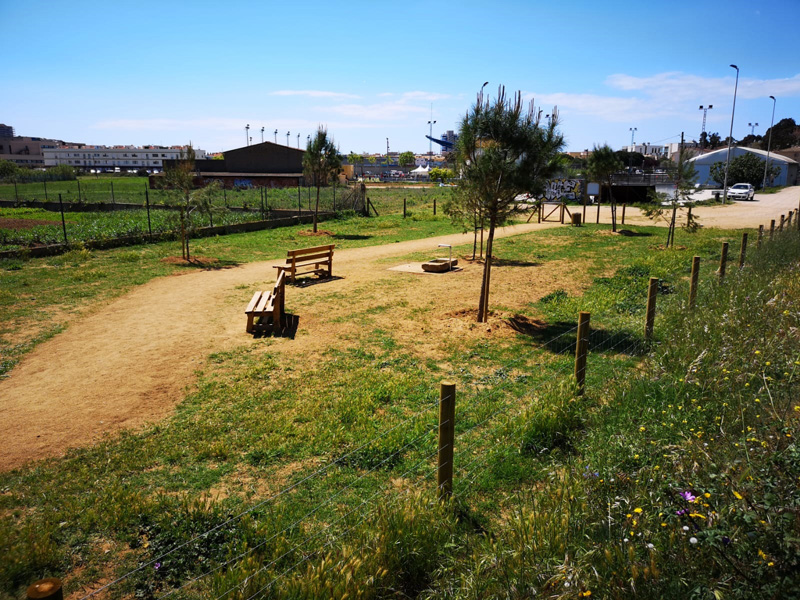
{"x": 688, "y": 496}
{"x": 157, "y": 566}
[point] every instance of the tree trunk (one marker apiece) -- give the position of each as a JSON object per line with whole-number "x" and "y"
{"x": 183, "y": 236}
{"x": 483, "y": 307}
{"x": 613, "y": 208}
{"x": 316, "y": 210}
{"x": 474, "y": 241}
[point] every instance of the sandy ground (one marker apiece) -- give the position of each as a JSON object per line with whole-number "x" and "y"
{"x": 131, "y": 361}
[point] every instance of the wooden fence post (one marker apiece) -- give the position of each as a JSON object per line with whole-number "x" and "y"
{"x": 562, "y": 213}
{"x": 693, "y": 281}
{"x": 743, "y": 251}
{"x": 63, "y": 222}
{"x": 49, "y": 588}
{"x": 434, "y": 206}
{"x": 760, "y": 236}
{"x": 623, "y": 213}
{"x": 598, "y": 207}
{"x": 447, "y": 415}
{"x": 652, "y": 294}
{"x": 581, "y": 350}
{"x": 771, "y": 229}
{"x": 404, "y": 208}
{"x": 789, "y": 219}
{"x": 723, "y": 261}
{"x": 780, "y": 227}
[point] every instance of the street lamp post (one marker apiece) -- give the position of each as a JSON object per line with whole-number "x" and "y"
{"x": 247, "y": 134}
{"x": 298, "y": 141}
{"x": 262, "y": 135}
{"x": 633, "y": 131}
{"x": 287, "y": 137}
{"x": 430, "y": 141}
{"x": 730, "y": 139}
{"x": 769, "y": 143}
{"x": 276, "y": 136}
{"x": 752, "y": 127}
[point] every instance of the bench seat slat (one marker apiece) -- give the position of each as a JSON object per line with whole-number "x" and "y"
{"x": 263, "y": 303}
{"x": 253, "y": 302}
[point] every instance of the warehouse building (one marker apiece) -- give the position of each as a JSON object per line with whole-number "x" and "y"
{"x": 787, "y": 166}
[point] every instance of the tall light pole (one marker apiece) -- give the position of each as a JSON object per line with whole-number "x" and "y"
{"x": 308, "y": 140}
{"x": 276, "y": 136}
{"x": 633, "y": 131}
{"x": 247, "y": 134}
{"x": 262, "y": 135}
{"x": 287, "y": 137}
{"x": 298, "y": 141}
{"x": 730, "y": 139}
{"x": 769, "y": 143}
{"x": 705, "y": 110}
{"x": 431, "y": 123}
{"x": 752, "y": 127}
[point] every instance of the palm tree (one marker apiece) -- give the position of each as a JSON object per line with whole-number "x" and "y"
{"x": 504, "y": 151}
{"x": 601, "y": 166}
{"x": 321, "y": 162}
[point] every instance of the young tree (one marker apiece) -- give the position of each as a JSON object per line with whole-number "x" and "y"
{"x": 503, "y": 151}
{"x": 685, "y": 175}
{"x": 354, "y": 158}
{"x": 406, "y": 158}
{"x": 747, "y": 168}
{"x": 179, "y": 180}
{"x": 321, "y": 162}
{"x": 601, "y": 166}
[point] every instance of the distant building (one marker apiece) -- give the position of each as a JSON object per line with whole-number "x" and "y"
{"x": 26, "y": 151}
{"x": 654, "y": 150}
{"x": 6, "y": 131}
{"x": 257, "y": 165}
{"x": 450, "y": 137}
{"x": 112, "y": 158}
{"x": 786, "y": 176}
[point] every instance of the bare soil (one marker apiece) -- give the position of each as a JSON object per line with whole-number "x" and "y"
{"x": 9, "y": 223}
{"x": 131, "y": 361}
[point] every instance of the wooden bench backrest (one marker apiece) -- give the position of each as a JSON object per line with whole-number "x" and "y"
{"x": 302, "y": 253}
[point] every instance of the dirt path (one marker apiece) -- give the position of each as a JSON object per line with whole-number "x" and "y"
{"x": 131, "y": 361}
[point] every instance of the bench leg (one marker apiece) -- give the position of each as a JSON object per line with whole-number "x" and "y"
{"x": 250, "y": 323}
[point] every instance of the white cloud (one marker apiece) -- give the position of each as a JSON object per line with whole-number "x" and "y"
{"x": 313, "y": 94}
{"x": 681, "y": 86}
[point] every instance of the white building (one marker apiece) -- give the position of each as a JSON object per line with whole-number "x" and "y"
{"x": 124, "y": 158}
{"x": 787, "y": 168}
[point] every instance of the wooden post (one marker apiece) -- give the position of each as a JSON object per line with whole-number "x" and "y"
{"x": 693, "y": 281}
{"x": 723, "y": 261}
{"x": 760, "y": 236}
{"x": 404, "y": 208}
{"x": 147, "y": 204}
{"x": 539, "y": 212}
{"x": 447, "y": 415}
{"x": 562, "y": 213}
{"x": 581, "y": 350}
{"x": 434, "y": 206}
{"x": 623, "y": 213}
{"x": 49, "y": 588}
{"x": 63, "y": 222}
{"x": 780, "y": 227}
{"x": 598, "y": 206}
{"x": 652, "y": 294}
{"x": 789, "y": 219}
{"x": 743, "y": 251}
{"x": 771, "y": 229}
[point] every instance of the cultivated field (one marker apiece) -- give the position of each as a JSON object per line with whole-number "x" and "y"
{"x": 174, "y": 455}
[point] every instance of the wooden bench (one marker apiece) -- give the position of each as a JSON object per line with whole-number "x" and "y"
{"x": 268, "y": 307}
{"x": 318, "y": 259}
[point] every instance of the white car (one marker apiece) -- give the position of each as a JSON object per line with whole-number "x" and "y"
{"x": 741, "y": 191}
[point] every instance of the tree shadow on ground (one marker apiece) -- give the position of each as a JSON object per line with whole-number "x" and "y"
{"x": 347, "y": 236}
{"x": 559, "y": 337}
{"x": 288, "y": 330}
{"x": 309, "y": 281}
{"x": 630, "y": 233}
{"x": 504, "y": 262}
{"x": 203, "y": 263}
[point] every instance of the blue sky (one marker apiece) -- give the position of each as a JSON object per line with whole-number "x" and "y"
{"x": 169, "y": 72}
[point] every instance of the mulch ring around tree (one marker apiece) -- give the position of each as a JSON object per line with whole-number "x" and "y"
{"x": 195, "y": 261}
{"x": 320, "y": 232}
{"x": 7, "y": 223}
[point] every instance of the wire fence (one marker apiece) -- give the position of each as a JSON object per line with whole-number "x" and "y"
{"x": 482, "y": 408}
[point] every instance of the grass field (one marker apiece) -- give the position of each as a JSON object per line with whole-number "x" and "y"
{"x": 674, "y": 476}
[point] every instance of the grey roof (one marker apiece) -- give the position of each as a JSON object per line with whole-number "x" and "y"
{"x": 722, "y": 152}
